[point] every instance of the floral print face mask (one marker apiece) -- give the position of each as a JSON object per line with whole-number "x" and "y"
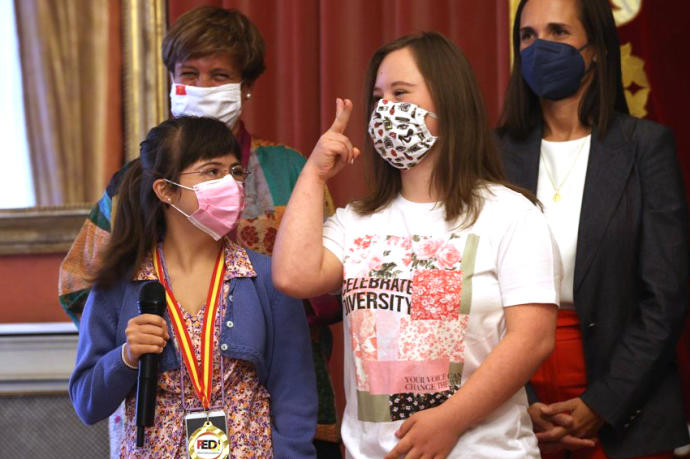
{"x": 400, "y": 134}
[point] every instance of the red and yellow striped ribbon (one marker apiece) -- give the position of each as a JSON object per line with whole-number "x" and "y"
{"x": 201, "y": 373}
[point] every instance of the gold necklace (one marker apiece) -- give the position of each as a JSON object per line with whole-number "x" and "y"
{"x": 557, "y": 189}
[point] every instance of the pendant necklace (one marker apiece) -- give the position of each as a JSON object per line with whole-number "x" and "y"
{"x": 557, "y": 188}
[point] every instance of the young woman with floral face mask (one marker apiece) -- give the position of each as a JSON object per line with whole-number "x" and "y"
{"x": 448, "y": 276}
{"x": 615, "y": 202}
{"x": 224, "y": 318}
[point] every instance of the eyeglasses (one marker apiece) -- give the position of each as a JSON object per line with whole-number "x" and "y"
{"x": 212, "y": 172}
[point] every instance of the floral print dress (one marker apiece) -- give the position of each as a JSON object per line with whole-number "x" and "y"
{"x": 246, "y": 402}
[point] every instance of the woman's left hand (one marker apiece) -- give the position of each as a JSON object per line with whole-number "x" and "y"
{"x": 580, "y": 420}
{"x": 428, "y": 434}
{"x": 553, "y": 431}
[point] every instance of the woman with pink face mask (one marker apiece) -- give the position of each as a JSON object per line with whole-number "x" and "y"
{"x": 214, "y": 56}
{"x": 224, "y": 318}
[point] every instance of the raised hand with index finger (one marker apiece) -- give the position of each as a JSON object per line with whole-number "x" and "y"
{"x": 334, "y": 149}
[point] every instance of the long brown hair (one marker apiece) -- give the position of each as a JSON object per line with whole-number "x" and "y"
{"x": 467, "y": 156}
{"x": 167, "y": 150}
{"x": 522, "y": 111}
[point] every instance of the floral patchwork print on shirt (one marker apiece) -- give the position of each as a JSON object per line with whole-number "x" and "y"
{"x": 402, "y": 299}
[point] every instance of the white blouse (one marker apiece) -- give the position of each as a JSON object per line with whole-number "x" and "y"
{"x": 561, "y": 182}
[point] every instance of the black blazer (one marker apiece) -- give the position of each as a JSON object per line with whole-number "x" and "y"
{"x": 631, "y": 274}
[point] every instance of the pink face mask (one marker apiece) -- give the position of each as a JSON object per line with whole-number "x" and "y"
{"x": 221, "y": 202}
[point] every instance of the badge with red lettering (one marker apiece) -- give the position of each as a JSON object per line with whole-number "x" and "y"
{"x": 206, "y": 435}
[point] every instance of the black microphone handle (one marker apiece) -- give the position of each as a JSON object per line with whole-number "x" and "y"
{"x": 151, "y": 301}
{"x": 147, "y": 385}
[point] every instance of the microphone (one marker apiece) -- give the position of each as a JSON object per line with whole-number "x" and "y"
{"x": 151, "y": 301}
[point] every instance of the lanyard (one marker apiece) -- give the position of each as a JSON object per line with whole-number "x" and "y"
{"x": 201, "y": 373}
{"x": 222, "y": 374}
{"x": 222, "y": 389}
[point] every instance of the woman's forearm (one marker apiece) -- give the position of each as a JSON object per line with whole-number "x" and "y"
{"x": 302, "y": 267}
{"x": 298, "y": 252}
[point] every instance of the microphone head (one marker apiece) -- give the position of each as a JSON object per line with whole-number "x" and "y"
{"x": 152, "y": 298}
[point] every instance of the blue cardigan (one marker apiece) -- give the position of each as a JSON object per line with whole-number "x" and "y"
{"x": 261, "y": 326}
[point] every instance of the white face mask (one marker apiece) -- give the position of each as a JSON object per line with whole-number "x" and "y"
{"x": 223, "y": 102}
{"x": 400, "y": 134}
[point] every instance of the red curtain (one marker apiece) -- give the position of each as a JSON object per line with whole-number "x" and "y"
{"x": 318, "y": 50}
{"x": 657, "y": 35}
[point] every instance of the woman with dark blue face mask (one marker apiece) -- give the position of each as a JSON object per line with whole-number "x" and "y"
{"x": 614, "y": 198}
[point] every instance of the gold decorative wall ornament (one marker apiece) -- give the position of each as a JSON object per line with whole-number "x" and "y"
{"x": 512, "y": 6}
{"x": 625, "y": 11}
{"x": 635, "y": 82}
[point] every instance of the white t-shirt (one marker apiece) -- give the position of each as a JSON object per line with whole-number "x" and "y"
{"x": 423, "y": 307}
{"x": 567, "y": 164}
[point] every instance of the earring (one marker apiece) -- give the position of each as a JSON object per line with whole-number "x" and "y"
{"x": 249, "y": 95}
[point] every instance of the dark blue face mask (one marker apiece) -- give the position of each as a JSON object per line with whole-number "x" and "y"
{"x": 552, "y": 70}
